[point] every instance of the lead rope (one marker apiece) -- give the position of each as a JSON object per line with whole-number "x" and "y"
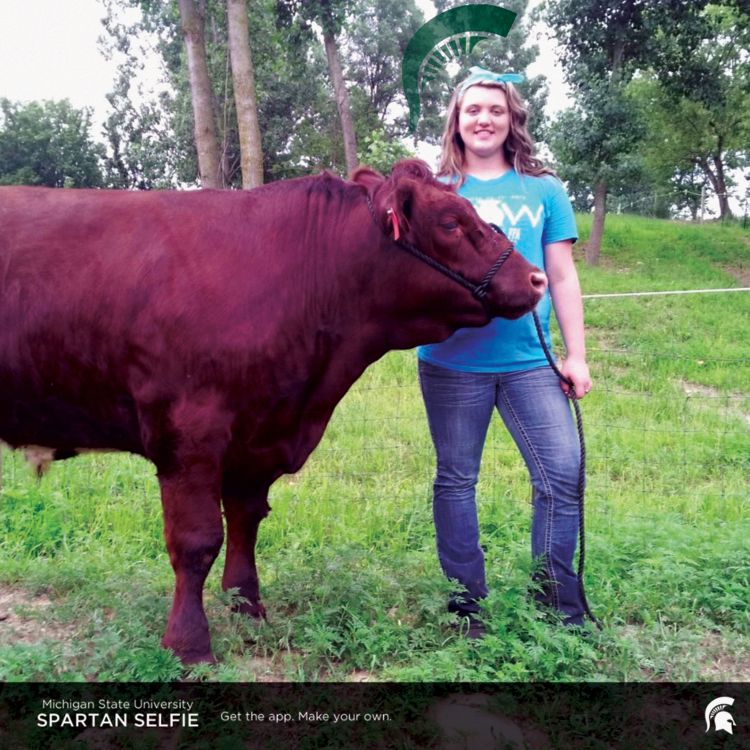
{"x": 581, "y": 469}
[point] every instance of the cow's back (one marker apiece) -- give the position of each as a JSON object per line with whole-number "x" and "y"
{"x": 113, "y": 303}
{"x": 103, "y": 293}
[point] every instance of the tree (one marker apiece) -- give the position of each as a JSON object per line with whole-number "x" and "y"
{"x": 298, "y": 118}
{"x": 48, "y": 143}
{"x": 243, "y": 78}
{"x": 296, "y": 115}
{"x": 709, "y": 95}
{"x": 669, "y": 148}
{"x": 206, "y": 142}
{"x": 381, "y": 153}
{"x": 603, "y": 44}
{"x": 375, "y": 39}
{"x": 330, "y": 15}
{"x": 142, "y": 151}
{"x": 594, "y": 144}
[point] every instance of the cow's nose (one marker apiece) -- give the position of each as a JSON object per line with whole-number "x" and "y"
{"x": 538, "y": 281}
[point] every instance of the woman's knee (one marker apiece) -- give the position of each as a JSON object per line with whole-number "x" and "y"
{"x": 456, "y": 476}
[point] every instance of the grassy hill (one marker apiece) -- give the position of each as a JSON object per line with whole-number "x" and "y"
{"x": 347, "y": 562}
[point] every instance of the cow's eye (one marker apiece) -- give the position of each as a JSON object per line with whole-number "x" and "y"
{"x": 449, "y": 225}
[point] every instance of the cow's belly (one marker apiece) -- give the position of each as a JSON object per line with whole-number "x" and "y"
{"x": 67, "y": 426}
{"x": 40, "y": 457}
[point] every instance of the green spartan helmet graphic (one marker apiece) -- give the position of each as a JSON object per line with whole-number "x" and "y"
{"x": 447, "y": 37}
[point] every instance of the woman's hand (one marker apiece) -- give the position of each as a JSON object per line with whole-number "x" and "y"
{"x": 578, "y": 371}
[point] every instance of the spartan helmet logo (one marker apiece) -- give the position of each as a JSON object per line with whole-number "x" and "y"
{"x": 722, "y": 719}
{"x": 448, "y": 36}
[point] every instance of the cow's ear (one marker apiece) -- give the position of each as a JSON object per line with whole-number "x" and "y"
{"x": 401, "y": 205}
{"x": 368, "y": 178}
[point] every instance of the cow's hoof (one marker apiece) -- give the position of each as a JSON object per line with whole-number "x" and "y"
{"x": 189, "y": 656}
{"x": 192, "y": 658}
{"x": 254, "y": 610}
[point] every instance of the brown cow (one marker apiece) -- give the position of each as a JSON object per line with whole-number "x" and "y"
{"x": 214, "y": 333}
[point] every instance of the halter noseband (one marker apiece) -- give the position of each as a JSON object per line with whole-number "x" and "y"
{"x": 478, "y": 291}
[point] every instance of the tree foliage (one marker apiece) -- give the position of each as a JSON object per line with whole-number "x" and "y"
{"x": 293, "y": 107}
{"x": 381, "y": 153}
{"x": 603, "y": 45}
{"x": 662, "y": 96}
{"x": 374, "y": 44}
{"x": 330, "y": 15}
{"x": 596, "y": 141}
{"x": 602, "y": 39}
{"x": 48, "y": 143}
{"x": 708, "y": 97}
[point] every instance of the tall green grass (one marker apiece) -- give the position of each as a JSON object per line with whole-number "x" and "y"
{"x": 346, "y": 558}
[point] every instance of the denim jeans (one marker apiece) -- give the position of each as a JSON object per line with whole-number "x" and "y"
{"x": 536, "y": 413}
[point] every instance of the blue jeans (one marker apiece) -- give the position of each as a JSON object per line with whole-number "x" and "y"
{"x": 535, "y": 411}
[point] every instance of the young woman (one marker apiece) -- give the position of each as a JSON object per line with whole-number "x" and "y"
{"x": 488, "y": 154}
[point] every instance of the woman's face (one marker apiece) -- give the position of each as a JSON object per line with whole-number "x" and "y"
{"x": 484, "y": 121}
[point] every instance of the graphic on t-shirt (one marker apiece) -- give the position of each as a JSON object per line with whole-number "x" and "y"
{"x": 497, "y": 212}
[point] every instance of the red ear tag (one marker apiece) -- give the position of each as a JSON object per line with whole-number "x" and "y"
{"x": 394, "y": 221}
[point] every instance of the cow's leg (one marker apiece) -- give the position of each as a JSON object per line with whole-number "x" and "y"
{"x": 244, "y": 510}
{"x": 194, "y": 535}
{"x": 187, "y": 442}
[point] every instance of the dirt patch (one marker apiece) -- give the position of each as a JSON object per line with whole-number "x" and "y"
{"x": 719, "y": 664}
{"x": 25, "y": 618}
{"x": 263, "y": 669}
{"x": 740, "y": 272}
{"x": 361, "y": 675}
{"x": 731, "y": 404}
{"x": 696, "y": 389}
{"x": 726, "y": 668}
{"x": 715, "y": 659}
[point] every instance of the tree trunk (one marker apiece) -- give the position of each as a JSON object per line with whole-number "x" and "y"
{"x": 342, "y": 101}
{"x": 243, "y": 79}
{"x": 594, "y": 245}
{"x": 718, "y": 183}
{"x": 721, "y": 187}
{"x": 206, "y": 142}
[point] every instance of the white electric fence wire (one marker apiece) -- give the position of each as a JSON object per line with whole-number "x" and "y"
{"x": 665, "y": 293}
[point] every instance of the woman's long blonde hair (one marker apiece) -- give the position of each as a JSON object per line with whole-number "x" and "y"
{"x": 518, "y": 146}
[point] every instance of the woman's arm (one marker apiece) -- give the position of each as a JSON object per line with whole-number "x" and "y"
{"x": 565, "y": 290}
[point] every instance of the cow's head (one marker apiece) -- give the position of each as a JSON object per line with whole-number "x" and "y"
{"x": 414, "y": 208}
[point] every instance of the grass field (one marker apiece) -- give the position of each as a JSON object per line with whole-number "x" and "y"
{"x": 347, "y": 562}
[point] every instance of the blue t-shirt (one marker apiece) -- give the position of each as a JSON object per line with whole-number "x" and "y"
{"x": 533, "y": 212}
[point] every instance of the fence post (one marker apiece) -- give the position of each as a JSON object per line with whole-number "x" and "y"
{"x": 703, "y": 201}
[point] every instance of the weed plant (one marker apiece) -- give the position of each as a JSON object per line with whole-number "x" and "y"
{"x": 347, "y": 561}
